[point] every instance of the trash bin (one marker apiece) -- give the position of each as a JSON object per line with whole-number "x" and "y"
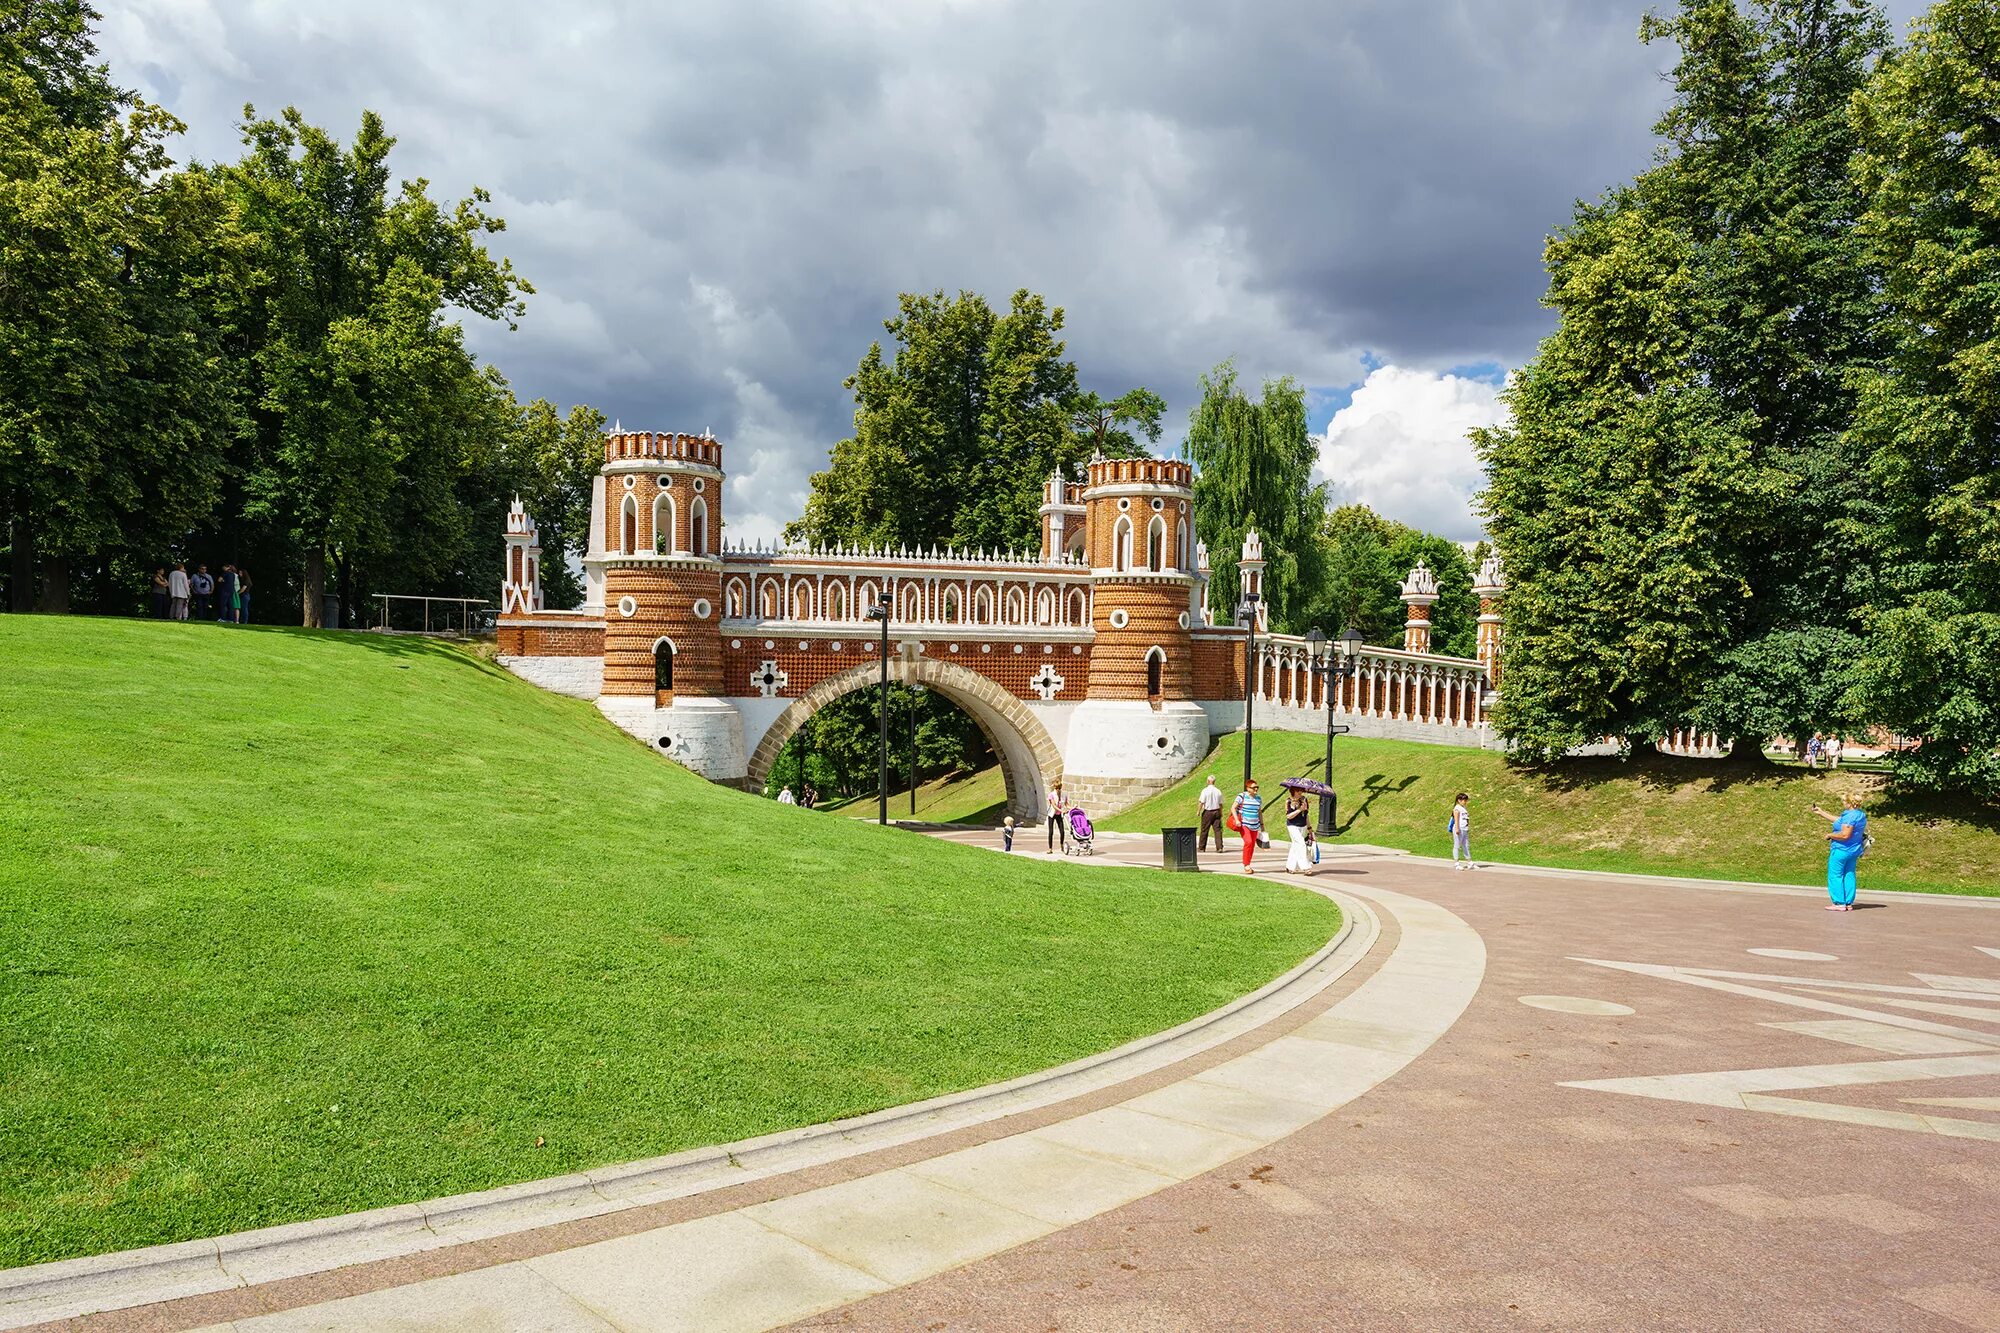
{"x": 1177, "y": 849}
{"x": 329, "y": 611}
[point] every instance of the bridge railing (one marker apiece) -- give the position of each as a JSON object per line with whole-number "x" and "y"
{"x": 1385, "y": 683}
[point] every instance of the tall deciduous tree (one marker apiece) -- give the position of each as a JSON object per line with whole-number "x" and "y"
{"x": 1929, "y": 416}
{"x": 956, "y": 432}
{"x": 1254, "y": 464}
{"x": 116, "y": 406}
{"x": 1672, "y": 493}
{"x": 364, "y": 393}
{"x": 1367, "y": 557}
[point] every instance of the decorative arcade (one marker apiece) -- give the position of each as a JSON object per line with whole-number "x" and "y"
{"x": 1092, "y": 660}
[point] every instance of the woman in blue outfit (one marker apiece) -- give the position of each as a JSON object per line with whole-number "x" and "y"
{"x": 1844, "y": 846}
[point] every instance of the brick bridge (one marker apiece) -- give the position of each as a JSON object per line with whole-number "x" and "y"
{"x": 1091, "y": 660}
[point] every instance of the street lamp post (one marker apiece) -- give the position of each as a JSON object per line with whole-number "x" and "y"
{"x": 880, "y": 611}
{"x": 915, "y": 704}
{"x": 1248, "y": 612}
{"x": 1335, "y": 666}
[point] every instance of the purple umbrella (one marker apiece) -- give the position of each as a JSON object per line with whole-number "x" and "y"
{"x": 1310, "y": 786}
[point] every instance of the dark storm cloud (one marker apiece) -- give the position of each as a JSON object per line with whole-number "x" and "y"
{"x": 718, "y": 203}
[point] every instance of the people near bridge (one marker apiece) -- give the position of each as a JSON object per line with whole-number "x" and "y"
{"x": 1246, "y": 816}
{"x": 1845, "y": 844}
{"x": 203, "y": 586}
{"x": 808, "y": 795}
{"x": 1460, "y": 827}
{"x": 177, "y": 592}
{"x": 1209, "y": 802}
{"x": 1058, "y": 810}
{"x": 160, "y": 593}
{"x": 1007, "y": 834}
{"x": 225, "y": 596}
{"x": 242, "y": 595}
{"x": 1298, "y": 821}
{"x": 785, "y": 796}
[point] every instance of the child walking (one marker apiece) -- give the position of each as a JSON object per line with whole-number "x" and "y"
{"x": 1461, "y": 833}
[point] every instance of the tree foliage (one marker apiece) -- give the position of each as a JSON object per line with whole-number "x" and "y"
{"x": 1254, "y": 464}
{"x": 955, "y": 433}
{"x": 1929, "y": 415}
{"x": 1672, "y": 491}
{"x": 1366, "y": 559}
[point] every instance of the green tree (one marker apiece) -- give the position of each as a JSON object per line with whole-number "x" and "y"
{"x": 550, "y": 460}
{"x": 1254, "y": 463}
{"x": 1367, "y": 557}
{"x": 367, "y": 404}
{"x": 116, "y": 405}
{"x": 955, "y": 434}
{"x": 1673, "y": 491}
{"x": 1929, "y": 416}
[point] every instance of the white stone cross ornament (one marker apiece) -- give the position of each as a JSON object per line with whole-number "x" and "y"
{"x": 769, "y": 678}
{"x": 1046, "y": 682}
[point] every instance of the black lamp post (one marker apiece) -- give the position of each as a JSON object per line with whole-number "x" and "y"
{"x": 915, "y": 704}
{"x": 880, "y": 611}
{"x": 1247, "y": 610}
{"x": 1340, "y": 660}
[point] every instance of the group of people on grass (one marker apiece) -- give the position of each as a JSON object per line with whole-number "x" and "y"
{"x": 179, "y": 595}
{"x": 806, "y": 796}
{"x": 1823, "y": 751}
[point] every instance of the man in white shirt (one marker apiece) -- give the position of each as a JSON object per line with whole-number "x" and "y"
{"x": 785, "y": 796}
{"x": 177, "y": 593}
{"x": 1210, "y": 803}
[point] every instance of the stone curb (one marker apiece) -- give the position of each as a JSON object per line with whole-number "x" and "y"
{"x": 1721, "y": 885}
{"x": 127, "y": 1278}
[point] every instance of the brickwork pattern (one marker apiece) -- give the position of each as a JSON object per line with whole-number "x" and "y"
{"x": 1218, "y": 668}
{"x": 807, "y": 662}
{"x": 519, "y": 639}
{"x": 665, "y": 598}
{"x": 1118, "y": 655}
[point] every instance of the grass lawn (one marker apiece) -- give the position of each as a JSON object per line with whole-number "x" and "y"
{"x": 978, "y": 797}
{"x": 299, "y": 923}
{"x": 1654, "y": 815}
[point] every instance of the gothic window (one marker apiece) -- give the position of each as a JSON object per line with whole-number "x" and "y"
{"x": 767, "y": 600}
{"x": 1121, "y": 545}
{"x": 1078, "y": 615}
{"x": 802, "y": 605}
{"x": 951, "y": 606}
{"x": 1156, "y": 544}
{"x": 982, "y": 607}
{"x": 1045, "y": 608}
{"x": 1017, "y": 606}
{"x": 870, "y": 595}
{"x": 698, "y": 527}
{"x": 1181, "y": 561}
{"x": 733, "y": 600}
{"x": 836, "y": 602}
{"x": 1156, "y": 662}
{"x": 629, "y": 523}
{"x": 663, "y": 524}
{"x": 663, "y": 666}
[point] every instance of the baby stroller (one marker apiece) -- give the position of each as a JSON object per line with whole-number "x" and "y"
{"x": 1079, "y": 833}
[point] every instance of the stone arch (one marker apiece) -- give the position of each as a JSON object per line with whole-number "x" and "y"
{"x": 1029, "y": 760}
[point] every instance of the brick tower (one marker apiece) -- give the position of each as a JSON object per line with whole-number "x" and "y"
{"x": 1420, "y": 591}
{"x": 1489, "y": 588}
{"x": 656, "y": 537}
{"x": 1138, "y": 729}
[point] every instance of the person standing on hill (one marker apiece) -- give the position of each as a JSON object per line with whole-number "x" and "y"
{"x": 1058, "y": 814}
{"x": 1247, "y": 814}
{"x": 1844, "y": 847}
{"x": 1832, "y": 751}
{"x": 160, "y": 594}
{"x": 225, "y": 596}
{"x": 785, "y": 796}
{"x": 1460, "y": 826}
{"x": 203, "y": 584}
{"x": 1209, "y": 802}
{"x": 177, "y": 593}
{"x": 242, "y": 595}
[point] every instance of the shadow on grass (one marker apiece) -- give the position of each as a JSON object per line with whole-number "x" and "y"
{"x": 1377, "y": 785}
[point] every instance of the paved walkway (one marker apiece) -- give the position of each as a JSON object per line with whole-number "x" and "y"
{"x": 1542, "y": 1102}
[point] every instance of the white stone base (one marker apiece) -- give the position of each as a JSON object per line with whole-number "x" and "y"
{"x": 705, "y": 735}
{"x": 1120, "y": 751}
{"x": 578, "y": 677}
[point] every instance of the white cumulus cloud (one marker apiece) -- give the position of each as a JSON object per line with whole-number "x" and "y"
{"x": 1400, "y": 447}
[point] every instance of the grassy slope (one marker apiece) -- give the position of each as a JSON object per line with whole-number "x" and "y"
{"x": 1658, "y": 815}
{"x": 979, "y": 797}
{"x": 299, "y": 923}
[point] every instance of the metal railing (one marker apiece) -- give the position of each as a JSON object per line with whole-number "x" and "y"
{"x": 455, "y": 616}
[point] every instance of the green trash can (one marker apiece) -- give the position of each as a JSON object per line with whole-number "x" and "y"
{"x": 1177, "y": 849}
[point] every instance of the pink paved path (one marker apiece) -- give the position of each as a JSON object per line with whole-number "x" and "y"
{"x": 1474, "y": 1190}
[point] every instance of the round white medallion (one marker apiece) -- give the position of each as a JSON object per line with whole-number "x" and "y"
{"x": 700, "y": 485}
{"x": 701, "y": 608}
{"x": 1159, "y": 504}
{"x": 769, "y": 644}
{"x": 805, "y": 645}
{"x": 954, "y": 647}
{"x": 736, "y": 643}
{"x": 1184, "y": 620}
{"x": 665, "y": 481}
{"x": 1119, "y": 620}
{"x": 1078, "y": 650}
{"x": 985, "y": 647}
{"x": 630, "y": 481}
{"x": 1048, "y": 648}
{"x": 1017, "y": 647}
{"x": 1124, "y": 504}
{"x": 628, "y": 606}
{"x": 834, "y": 646}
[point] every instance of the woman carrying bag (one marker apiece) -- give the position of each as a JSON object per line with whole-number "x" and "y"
{"x": 1246, "y": 816}
{"x": 1298, "y": 817}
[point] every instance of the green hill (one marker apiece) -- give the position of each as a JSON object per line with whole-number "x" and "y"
{"x": 1652, "y": 815}
{"x": 299, "y": 923}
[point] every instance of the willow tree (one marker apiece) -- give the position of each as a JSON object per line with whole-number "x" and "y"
{"x": 1254, "y": 463}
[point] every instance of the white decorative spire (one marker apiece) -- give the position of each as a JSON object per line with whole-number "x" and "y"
{"x": 1421, "y": 586}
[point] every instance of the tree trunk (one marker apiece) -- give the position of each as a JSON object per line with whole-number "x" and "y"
{"x": 21, "y": 579}
{"x": 315, "y": 586}
{"x": 1746, "y": 750}
{"x": 55, "y": 586}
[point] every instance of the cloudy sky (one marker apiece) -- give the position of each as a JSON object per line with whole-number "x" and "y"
{"x": 718, "y": 203}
